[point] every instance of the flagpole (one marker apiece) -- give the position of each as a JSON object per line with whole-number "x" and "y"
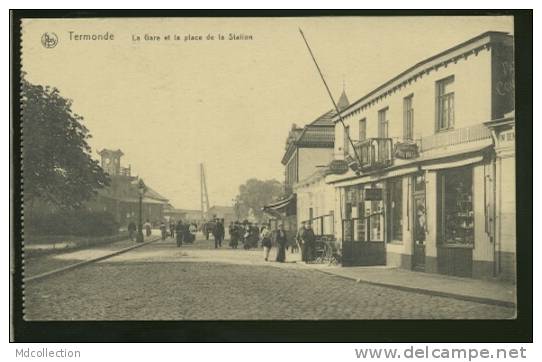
{"x": 330, "y": 96}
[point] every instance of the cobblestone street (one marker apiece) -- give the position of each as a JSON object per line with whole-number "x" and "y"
{"x": 162, "y": 282}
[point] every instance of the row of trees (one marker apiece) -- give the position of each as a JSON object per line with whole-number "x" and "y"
{"x": 58, "y": 171}
{"x": 57, "y": 164}
{"x": 254, "y": 195}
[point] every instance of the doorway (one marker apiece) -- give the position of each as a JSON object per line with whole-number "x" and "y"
{"x": 419, "y": 224}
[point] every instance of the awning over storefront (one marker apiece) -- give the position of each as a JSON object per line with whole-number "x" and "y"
{"x": 460, "y": 163}
{"x": 281, "y": 207}
{"x": 377, "y": 177}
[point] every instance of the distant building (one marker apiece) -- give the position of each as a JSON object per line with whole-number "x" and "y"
{"x": 307, "y": 149}
{"x": 222, "y": 212}
{"x": 121, "y": 197}
{"x": 183, "y": 214}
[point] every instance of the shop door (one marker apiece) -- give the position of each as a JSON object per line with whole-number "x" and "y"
{"x": 419, "y": 232}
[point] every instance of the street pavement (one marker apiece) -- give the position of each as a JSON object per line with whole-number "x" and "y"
{"x": 197, "y": 282}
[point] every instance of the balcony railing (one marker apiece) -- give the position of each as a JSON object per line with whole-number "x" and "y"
{"x": 455, "y": 137}
{"x": 375, "y": 153}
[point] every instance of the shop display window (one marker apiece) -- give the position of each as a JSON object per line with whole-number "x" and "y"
{"x": 457, "y": 213}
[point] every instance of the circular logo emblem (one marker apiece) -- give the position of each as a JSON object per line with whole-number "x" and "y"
{"x": 49, "y": 40}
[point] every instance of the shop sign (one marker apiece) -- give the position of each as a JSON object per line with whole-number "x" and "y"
{"x": 352, "y": 163}
{"x": 373, "y": 194}
{"x": 406, "y": 150}
{"x": 337, "y": 167}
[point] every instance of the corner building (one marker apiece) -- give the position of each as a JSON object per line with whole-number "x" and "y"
{"x": 435, "y": 187}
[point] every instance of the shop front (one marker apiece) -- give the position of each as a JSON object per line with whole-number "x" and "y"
{"x": 459, "y": 219}
{"x": 363, "y": 225}
{"x": 437, "y": 217}
{"x": 455, "y": 221}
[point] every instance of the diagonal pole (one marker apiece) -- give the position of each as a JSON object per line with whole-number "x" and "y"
{"x": 331, "y": 96}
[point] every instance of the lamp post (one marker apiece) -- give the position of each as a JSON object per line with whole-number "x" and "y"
{"x": 141, "y": 189}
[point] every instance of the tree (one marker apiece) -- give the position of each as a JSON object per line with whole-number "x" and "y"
{"x": 57, "y": 166}
{"x": 255, "y": 194}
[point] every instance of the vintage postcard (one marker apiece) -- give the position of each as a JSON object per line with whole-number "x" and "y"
{"x": 292, "y": 168}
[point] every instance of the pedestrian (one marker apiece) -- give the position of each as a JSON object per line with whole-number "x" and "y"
{"x": 179, "y": 233}
{"x": 246, "y": 235}
{"x": 148, "y": 228}
{"x": 163, "y": 230}
{"x": 221, "y": 231}
{"x": 205, "y": 230}
{"x": 216, "y": 234}
{"x": 172, "y": 228}
{"x": 308, "y": 239}
{"x": 299, "y": 240}
{"x": 254, "y": 235}
{"x": 233, "y": 234}
{"x": 281, "y": 240}
{"x": 265, "y": 237}
{"x": 132, "y": 229}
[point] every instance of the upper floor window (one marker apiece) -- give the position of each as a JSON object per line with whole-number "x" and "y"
{"x": 362, "y": 129}
{"x": 445, "y": 103}
{"x": 383, "y": 123}
{"x": 408, "y": 118}
{"x": 346, "y": 146}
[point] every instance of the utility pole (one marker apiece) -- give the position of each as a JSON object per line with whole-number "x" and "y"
{"x": 204, "y": 195}
{"x": 358, "y": 159}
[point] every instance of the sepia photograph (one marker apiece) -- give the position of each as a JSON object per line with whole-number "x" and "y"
{"x": 268, "y": 168}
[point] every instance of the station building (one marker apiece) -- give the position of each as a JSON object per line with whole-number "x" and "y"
{"x": 121, "y": 197}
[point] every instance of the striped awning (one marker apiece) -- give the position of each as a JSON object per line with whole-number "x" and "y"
{"x": 280, "y": 206}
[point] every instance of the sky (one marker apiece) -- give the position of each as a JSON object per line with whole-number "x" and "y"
{"x": 170, "y": 105}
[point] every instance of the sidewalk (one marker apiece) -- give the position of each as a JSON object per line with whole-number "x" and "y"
{"x": 483, "y": 291}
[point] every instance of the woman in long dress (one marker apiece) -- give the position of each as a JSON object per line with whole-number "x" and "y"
{"x": 282, "y": 241}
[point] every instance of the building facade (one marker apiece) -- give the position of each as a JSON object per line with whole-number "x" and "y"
{"x": 429, "y": 187}
{"x": 316, "y": 203}
{"x": 121, "y": 197}
{"x": 308, "y": 149}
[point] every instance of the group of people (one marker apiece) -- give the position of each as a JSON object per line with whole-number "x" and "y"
{"x": 246, "y": 233}
{"x": 215, "y": 227}
{"x": 132, "y": 229}
{"x": 180, "y": 231}
{"x": 250, "y": 234}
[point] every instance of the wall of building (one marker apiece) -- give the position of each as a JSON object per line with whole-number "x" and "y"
{"x": 320, "y": 197}
{"x": 506, "y": 216}
{"x": 483, "y": 253}
{"x": 310, "y": 158}
{"x": 472, "y": 88}
{"x": 291, "y": 169}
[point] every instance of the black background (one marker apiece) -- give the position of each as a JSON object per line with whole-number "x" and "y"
{"x": 518, "y": 330}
